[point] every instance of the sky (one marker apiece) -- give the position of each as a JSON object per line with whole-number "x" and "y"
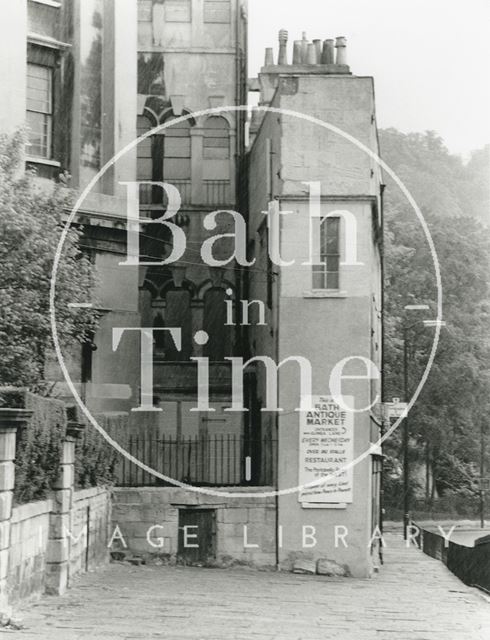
{"x": 430, "y": 58}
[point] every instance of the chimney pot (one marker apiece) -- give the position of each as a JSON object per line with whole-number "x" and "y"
{"x": 328, "y": 56}
{"x": 318, "y": 47}
{"x": 283, "y": 47}
{"x": 297, "y": 58}
{"x": 304, "y": 48}
{"x": 311, "y": 54}
{"x": 341, "y": 46}
{"x": 269, "y": 57}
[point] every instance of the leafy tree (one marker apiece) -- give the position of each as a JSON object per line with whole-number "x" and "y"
{"x": 446, "y": 420}
{"x": 31, "y": 218}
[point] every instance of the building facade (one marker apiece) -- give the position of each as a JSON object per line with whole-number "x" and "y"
{"x": 91, "y": 76}
{"x": 324, "y": 299}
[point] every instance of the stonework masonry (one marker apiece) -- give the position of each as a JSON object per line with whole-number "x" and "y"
{"x": 136, "y": 510}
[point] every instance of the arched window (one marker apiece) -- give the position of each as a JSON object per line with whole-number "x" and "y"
{"x": 177, "y": 152}
{"x": 216, "y": 138}
{"x": 144, "y": 158}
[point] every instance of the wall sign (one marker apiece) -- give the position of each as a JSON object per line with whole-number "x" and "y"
{"x": 326, "y": 444}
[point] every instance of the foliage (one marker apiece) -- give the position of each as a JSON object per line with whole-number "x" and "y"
{"x": 39, "y": 443}
{"x": 96, "y": 459}
{"x": 31, "y": 215}
{"x": 446, "y": 420}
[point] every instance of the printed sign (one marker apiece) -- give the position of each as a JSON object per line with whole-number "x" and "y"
{"x": 326, "y": 445}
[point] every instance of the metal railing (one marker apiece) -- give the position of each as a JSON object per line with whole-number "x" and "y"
{"x": 149, "y": 194}
{"x": 217, "y": 192}
{"x": 220, "y": 460}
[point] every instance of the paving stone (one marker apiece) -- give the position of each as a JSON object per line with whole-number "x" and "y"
{"x": 412, "y": 597}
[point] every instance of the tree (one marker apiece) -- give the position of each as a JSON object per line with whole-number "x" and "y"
{"x": 31, "y": 219}
{"x": 445, "y": 421}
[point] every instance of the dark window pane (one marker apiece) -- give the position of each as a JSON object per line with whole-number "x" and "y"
{"x": 332, "y": 280}
{"x": 329, "y": 255}
{"x": 219, "y": 344}
{"x": 178, "y": 314}
{"x": 332, "y": 263}
{"x": 318, "y": 280}
{"x": 333, "y": 235}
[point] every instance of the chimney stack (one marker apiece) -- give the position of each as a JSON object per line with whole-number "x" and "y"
{"x": 283, "y": 44}
{"x": 341, "y": 46}
{"x": 328, "y": 52}
{"x": 269, "y": 57}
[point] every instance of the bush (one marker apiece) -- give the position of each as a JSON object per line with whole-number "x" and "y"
{"x": 96, "y": 459}
{"x": 39, "y": 446}
{"x": 39, "y": 443}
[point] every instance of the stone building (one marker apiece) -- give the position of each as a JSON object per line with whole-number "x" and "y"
{"x": 94, "y": 76}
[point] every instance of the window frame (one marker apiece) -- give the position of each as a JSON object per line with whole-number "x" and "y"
{"x": 188, "y": 4}
{"x": 48, "y": 113}
{"x": 320, "y": 268}
{"x": 224, "y": 3}
{"x": 145, "y": 3}
{"x": 216, "y": 133}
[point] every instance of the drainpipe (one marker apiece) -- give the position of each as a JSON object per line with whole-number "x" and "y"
{"x": 383, "y": 360}
{"x": 275, "y": 307}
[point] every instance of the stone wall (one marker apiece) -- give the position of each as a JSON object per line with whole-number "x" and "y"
{"x": 146, "y": 521}
{"x": 31, "y": 528}
{"x": 90, "y": 520}
{"x": 45, "y": 544}
{"x": 29, "y": 535}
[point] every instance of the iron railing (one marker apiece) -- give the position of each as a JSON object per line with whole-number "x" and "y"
{"x": 150, "y": 194}
{"x": 217, "y": 192}
{"x": 219, "y": 460}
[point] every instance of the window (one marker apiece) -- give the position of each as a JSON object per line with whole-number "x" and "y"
{"x": 178, "y": 313}
{"x": 144, "y": 153}
{"x": 177, "y": 152}
{"x": 217, "y": 11}
{"x": 144, "y": 162}
{"x": 214, "y": 321}
{"x": 326, "y": 273}
{"x": 39, "y": 110}
{"x": 216, "y": 138}
{"x": 177, "y": 10}
{"x": 145, "y": 10}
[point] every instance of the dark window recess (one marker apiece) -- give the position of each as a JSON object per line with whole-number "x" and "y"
{"x": 178, "y": 313}
{"x": 39, "y": 110}
{"x": 217, "y": 11}
{"x": 216, "y": 143}
{"x": 88, "y": 348}
{"x": 326, "y": 273}
{"x": 150, "y": 74}
{"x": 270, "y": 272}
{"x": 219, "y": 344}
